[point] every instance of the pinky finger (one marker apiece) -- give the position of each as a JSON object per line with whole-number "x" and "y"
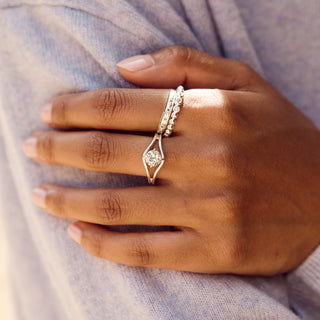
{"x": 164, "y": 250}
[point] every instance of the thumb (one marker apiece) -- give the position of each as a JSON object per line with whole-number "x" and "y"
{"x": 175, "y": 65}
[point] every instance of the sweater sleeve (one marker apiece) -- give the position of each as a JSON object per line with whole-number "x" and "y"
{"x": 304, "y": 287}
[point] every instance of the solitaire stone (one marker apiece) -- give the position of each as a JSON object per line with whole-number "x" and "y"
{"x": 153, "y": 158}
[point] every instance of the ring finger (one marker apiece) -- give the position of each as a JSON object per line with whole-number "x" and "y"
{"x": 98, "y": 151}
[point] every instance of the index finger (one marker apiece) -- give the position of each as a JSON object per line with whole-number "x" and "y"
{"x": 111, "y": 108}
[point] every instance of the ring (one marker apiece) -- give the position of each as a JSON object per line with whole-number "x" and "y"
{"x": 153, "y": 156}
{"x": 166, "y": 112}
{"x": 175, "y": 110}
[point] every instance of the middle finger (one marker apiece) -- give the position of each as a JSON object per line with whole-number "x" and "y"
{"x": 113, "y": 206}
{"x": 110, "y": 108}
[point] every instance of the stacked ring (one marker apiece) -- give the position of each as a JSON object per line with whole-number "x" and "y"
{"x": 178, "y": 102}
{"x": 167, "y": 112}
{"x": 153, "y": 158}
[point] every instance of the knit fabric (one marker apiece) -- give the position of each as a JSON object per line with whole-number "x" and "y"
{"x": 51, "y": 47}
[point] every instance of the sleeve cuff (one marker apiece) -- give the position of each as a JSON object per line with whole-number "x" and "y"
{"x": 304, "y": 287}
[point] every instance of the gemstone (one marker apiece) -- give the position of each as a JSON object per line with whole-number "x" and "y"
{"x": 176, "y": 109}
{"x": 166, "y": 116}
{"x": 153, "y": 158}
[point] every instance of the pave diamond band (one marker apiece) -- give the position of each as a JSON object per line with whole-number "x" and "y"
{"x": 153, "y": 156}
{"x": 177, "y": 105}
{"x": 166, "y": 112}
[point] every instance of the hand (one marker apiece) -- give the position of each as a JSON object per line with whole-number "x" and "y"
{"x": 240, "y": 183}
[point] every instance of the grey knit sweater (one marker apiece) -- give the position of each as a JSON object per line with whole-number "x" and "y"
{"x": 50, "y": 47}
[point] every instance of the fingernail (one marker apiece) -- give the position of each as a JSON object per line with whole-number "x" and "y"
{"x": 30, "y": 147}
{"x": 46, "y": 113}
{"x": 39, "y": 197}
{"x": 137, "y": 63}
{"x": 75, "y": 233}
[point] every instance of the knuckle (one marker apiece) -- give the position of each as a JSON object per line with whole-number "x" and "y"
{"x": 243, "y": 76}
{"x": 245, "y": 69}
{"x": 109, "y": 208}
{"x": 235, "y": 253}
{"x": 232, "y": 207}
{"x": 233, "y": 204}
{"x": 233, "y": 115}
{"x": 59, "y": 113}
{"x": 225, "y": 158}
{"x": 45, "y": 145}
{"x": 56, "y": 201}
{"x": 99, "y": 150}
{"x": 229, "y": 204}
{"x": 233, "y": 162}
{"x": 94, "y": 245}
{"x": 179, "y": 53}
{"x": 140, "y": 253}
{"x": 110, "y": 103}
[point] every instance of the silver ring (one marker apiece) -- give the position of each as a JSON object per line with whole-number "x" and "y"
{"x": 178, "y": 103}
{"x": 153, "y": 157}
{"x": 166, "y": 112}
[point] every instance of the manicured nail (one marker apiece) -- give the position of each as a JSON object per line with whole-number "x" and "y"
{"x": 137, "y": 63}
{"x": 46, "y": 113}
{"x": 39, "y": 197}
{"x": 75, "y": 233}
{"x": 30, "y": 147}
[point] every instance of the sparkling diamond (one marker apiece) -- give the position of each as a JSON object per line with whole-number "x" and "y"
{"x": 176, "y": 109}
{"x": 166, "y": 116}
{"x": 153, "y": 158}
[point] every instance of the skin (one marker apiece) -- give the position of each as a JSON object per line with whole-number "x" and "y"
{"x": 240, "y": 180}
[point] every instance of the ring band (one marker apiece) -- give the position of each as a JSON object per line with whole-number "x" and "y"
{"x": 178, "y": 102}
{"x": 166, "y": 112}
{"x": 153, "y": 156}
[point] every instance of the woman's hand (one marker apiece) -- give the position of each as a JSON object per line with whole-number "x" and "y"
{"x": 240, "y": 182}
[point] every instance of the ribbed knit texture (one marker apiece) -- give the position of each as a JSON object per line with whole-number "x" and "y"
{"x": 50, "y": 47}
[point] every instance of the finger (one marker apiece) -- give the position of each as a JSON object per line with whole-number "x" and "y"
{"x": 97, "y": 151}
{"x": 118, "y": 109}
{"x": 167, "y": 250}
{"x": 114, "y": 206}
{"x": 141, "y": 110}
{"x": 175, "y": 65}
